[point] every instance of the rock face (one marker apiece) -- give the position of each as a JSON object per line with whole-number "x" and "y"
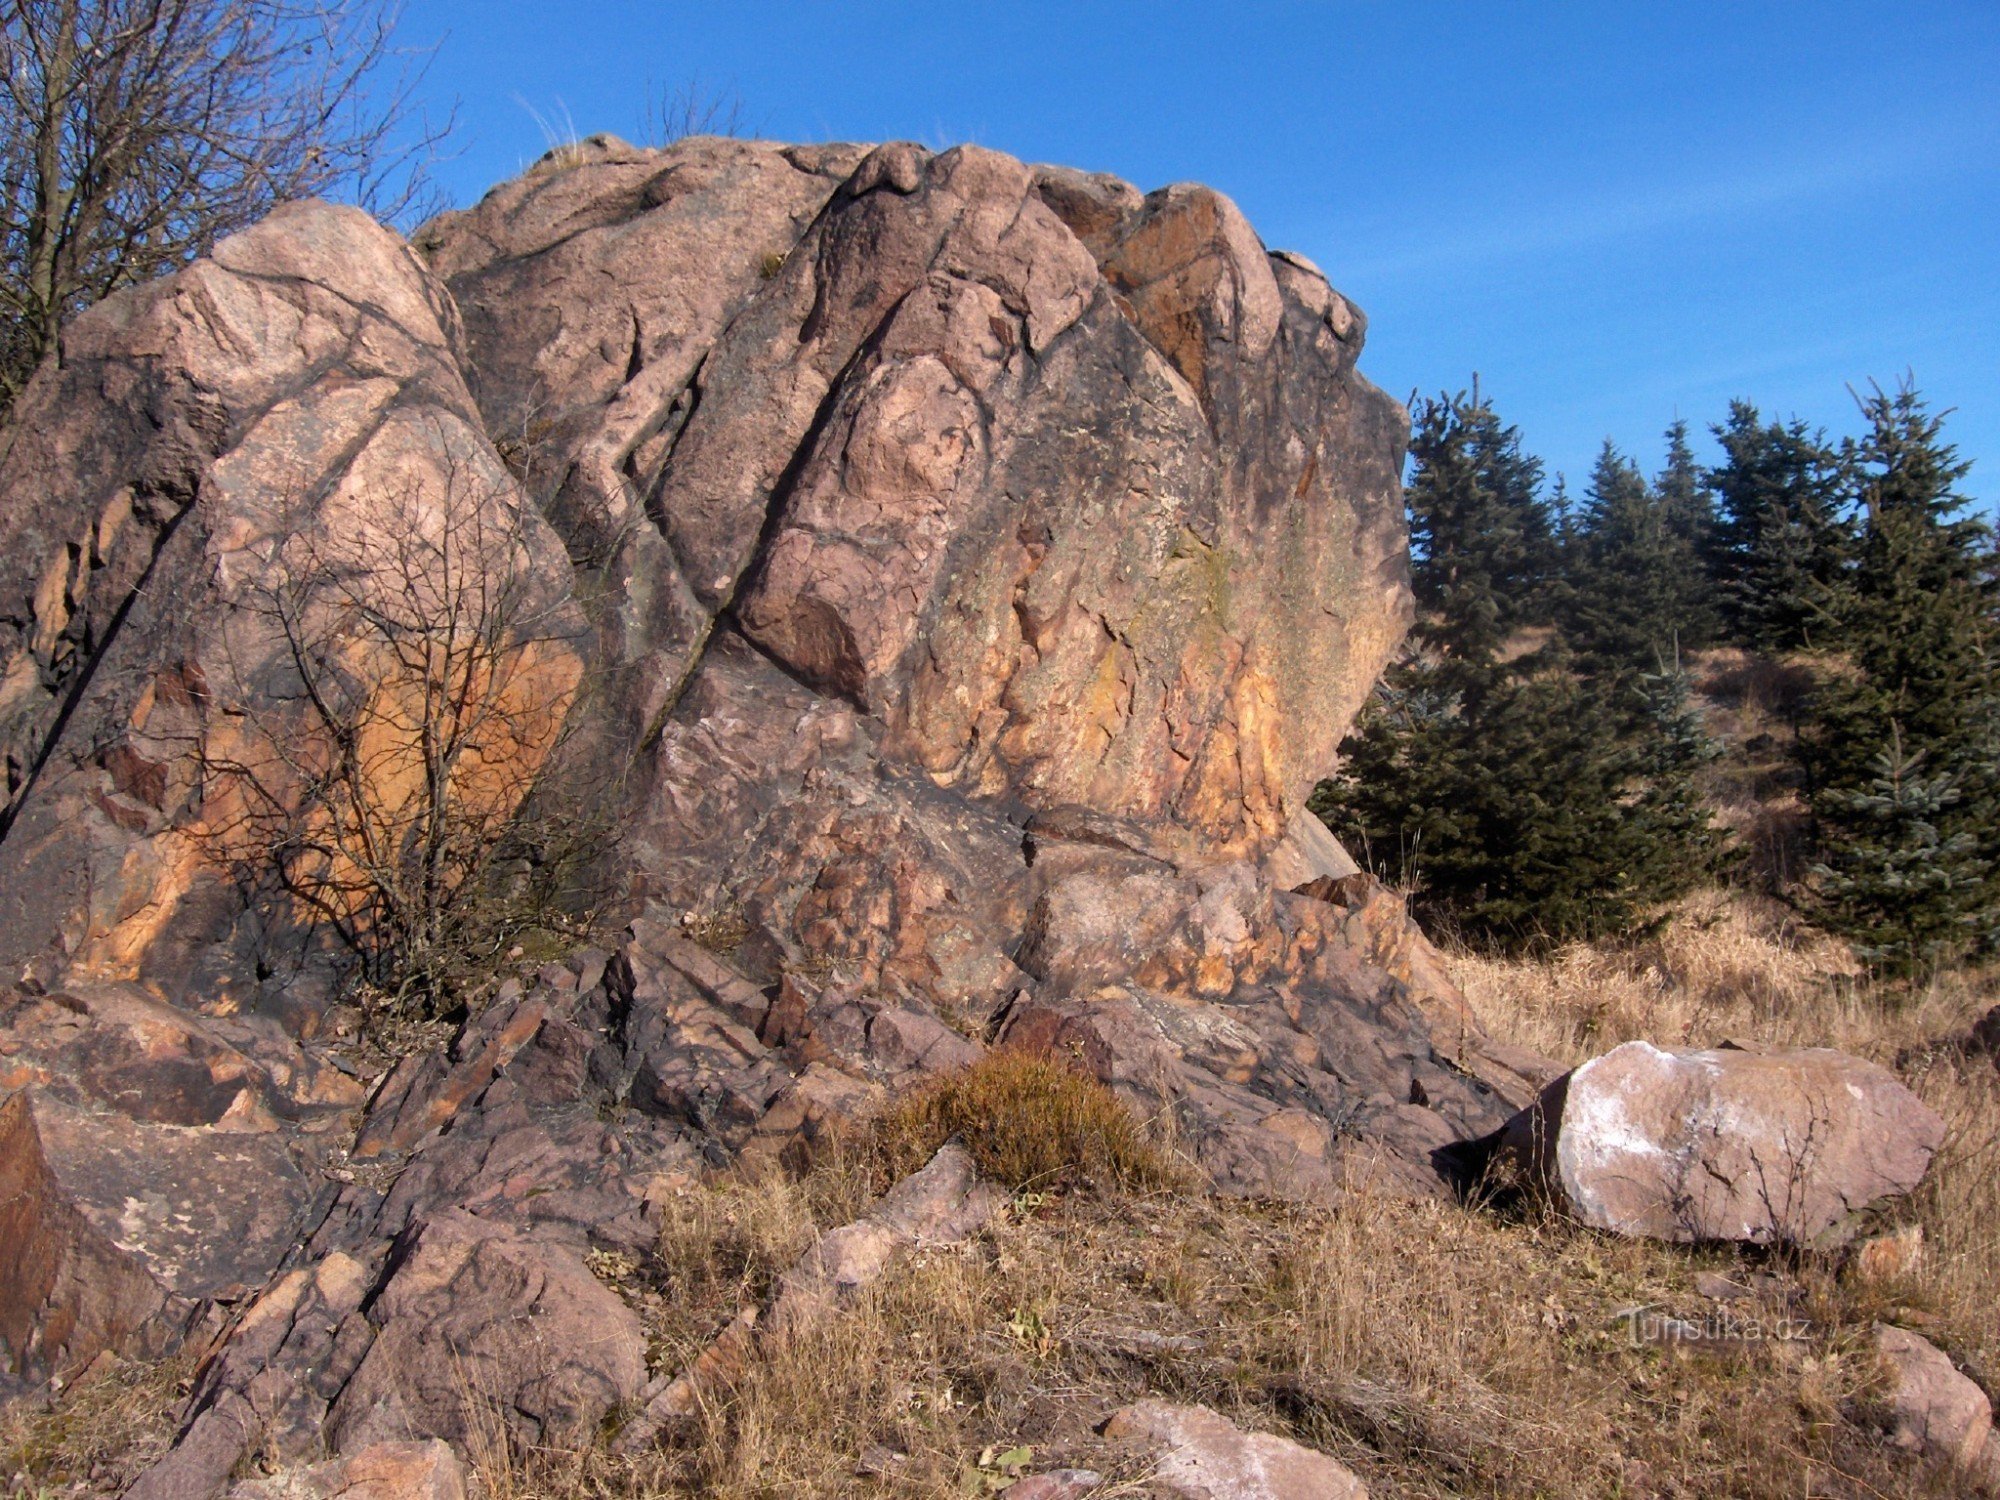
{"x": 1073, "y": 494}
{"x": 955, "y": 575}
{"x": 300, "y": 384}
{"x": 1759, "y": 1147}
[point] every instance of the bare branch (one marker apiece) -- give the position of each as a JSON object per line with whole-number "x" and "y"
{"x": 136, "y": 133}
{"x": 675, "y": 114}
{"x": 377, "y": 753}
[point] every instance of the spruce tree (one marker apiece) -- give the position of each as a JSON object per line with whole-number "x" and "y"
{"x": 1901, "y": 880}
{"x": 1479, "y": 533}
{"x": 1903, "y": 751}
{"x": 1506, "y": 789}
{"x": 1638, "y": 592}
{"x": 1688, "y": 507}
{"x": 1780, "y": 548}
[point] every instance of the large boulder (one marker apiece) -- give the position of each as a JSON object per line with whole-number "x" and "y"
{"x": 885, "y": 475}
{"x": 836, "y": 409}
{"x": 952, "y": 577}
{"x": 1759, "y": 1147}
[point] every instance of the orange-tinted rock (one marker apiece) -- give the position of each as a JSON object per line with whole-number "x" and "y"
{"x": 1306, "y": 1046}
{"x": 842, "y": 416}
{"x": 298, "y": 391}
{"x": 428, "y": 1089}
{"x": 382, "y": 1471}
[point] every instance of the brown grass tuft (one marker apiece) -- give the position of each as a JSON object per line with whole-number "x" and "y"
{"x": 1031, "y": 1122}
{"x": 111, "y": 1421}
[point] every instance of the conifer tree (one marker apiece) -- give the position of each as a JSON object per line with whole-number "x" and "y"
{"x": 1780, "y": 547}
{"x": 1689, "y": 513}
{"x": 1903, "y": 882}
{"x": 1638, "y": 591}
{"x": 1903, "y": 753}
{"x": 1678, "y": 841}
{"x": 1478, "y": 529}
{"x": 1507, "y": 790}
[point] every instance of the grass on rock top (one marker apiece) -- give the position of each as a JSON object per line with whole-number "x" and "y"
{"x": 1033, "y": 1123}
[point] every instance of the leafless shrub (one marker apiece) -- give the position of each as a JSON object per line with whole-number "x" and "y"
{"x": 136, "y": 133}
{"x": 412, "y": 677}
{"x": 675, "y": 114}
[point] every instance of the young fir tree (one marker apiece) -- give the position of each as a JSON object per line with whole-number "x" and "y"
{"x": 1478, "y": 528}
{"x": 1504, "y": 788}
{"x": 1689, "y": 518}
{"x": 1904, "y": 883}
{"x": 1780, "y": 548}
{"x": 1903, "y": 752}
{"x": 1638, "y": 593}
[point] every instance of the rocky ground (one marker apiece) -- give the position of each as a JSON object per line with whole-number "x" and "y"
{"x": 950, "y": 578}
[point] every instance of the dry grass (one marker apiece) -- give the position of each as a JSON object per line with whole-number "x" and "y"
{"x": 1752, "y": 705}
{"x": 112, "y": 1421}
{"x": 1435, "y": 1350}
{"x": 1730, "y": 966}
{"x": 1032, "y": 1122}
{"x": 1723, "y": 965}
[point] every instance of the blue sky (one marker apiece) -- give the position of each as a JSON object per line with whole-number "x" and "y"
{"x": 1616, "y": 212}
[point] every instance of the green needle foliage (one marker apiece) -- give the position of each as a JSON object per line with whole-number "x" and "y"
{"x": 1903, "y": 754}
{"x": 1909, "y": 892}
{"x": 1638, "y": 589}
{"x": 1779, "y": 549}
{"x": 1530, "y": 770}
{"x": 1523, "y": 793}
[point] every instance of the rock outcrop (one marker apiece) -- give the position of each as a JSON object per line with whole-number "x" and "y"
{"x": 1779, "y": 1147}
{"x": 220, "y": 456}
{"x": 952, "y": 577}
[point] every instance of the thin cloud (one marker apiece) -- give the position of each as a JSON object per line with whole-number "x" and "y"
{"x": 1555, "y": 228}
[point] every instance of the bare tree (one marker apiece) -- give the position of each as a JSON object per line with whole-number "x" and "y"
{"x": 135, "y": 133}
{"x": 408, "y": 683}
